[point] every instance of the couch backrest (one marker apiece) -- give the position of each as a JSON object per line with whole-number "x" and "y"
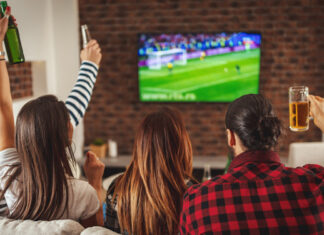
{"x": 301, "y": 154}
{"x": 29, "y": 227}
{"x": 98, "y": 231}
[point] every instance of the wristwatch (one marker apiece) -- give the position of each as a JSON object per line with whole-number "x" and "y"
{"x": 2, "y": 53}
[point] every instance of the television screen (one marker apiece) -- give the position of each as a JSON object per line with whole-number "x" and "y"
{"x": 216, "y": 67}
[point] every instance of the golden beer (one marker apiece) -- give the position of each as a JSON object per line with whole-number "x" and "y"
{"x": 298, "y": 108}
{"x": 299, "y": 115}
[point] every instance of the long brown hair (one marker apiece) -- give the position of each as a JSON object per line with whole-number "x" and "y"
{"x": 43, "y": 146}
{"x": 150, "y": 191}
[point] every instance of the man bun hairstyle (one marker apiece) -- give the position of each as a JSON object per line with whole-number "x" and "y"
{"x": 251, "y": 117}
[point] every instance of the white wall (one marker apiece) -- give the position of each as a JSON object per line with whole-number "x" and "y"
{"x": 49, "y": 31}
{"x": 33, "y": 21}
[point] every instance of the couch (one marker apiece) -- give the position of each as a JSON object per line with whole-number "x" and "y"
{"x": 301, "y": 154}
{"x": 55, "y": 227}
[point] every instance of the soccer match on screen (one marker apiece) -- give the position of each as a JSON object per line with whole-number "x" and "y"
{"x": 216, "y": 67}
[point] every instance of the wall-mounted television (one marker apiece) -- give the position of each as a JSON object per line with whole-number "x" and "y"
{"x": 204, "y": 67}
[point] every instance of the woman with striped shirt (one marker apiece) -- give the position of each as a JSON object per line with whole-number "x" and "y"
{"x": 35, "y": 174}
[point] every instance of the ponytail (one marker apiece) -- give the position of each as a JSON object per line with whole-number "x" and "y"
{"x": 251, "y": 118}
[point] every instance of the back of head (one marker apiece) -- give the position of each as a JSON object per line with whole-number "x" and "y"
{"x": 251, "y": 117}
{"x": 151, "y": 190}
{"x": 42, "y": 140}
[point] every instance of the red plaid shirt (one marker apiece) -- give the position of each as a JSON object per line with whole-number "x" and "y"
{"x": 258, "y": 195}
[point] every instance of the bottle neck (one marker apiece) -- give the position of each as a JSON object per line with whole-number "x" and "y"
{"x": 11, "y": 23}
{"x": 3, "y": 7}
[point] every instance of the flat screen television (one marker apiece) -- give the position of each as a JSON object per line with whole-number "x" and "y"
{"x": 204, "y": 67}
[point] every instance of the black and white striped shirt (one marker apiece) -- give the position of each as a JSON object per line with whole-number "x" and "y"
{"x": 79, "y": 98}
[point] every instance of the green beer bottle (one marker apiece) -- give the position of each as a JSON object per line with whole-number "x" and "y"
{"x": 229, "y": 160}
{"x": 12, "y": 39}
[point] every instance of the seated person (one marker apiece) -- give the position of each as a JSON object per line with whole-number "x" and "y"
{"x": 35, "y": 172}
{"x": 258, "y": 195}
{"x": 147, "y": 198}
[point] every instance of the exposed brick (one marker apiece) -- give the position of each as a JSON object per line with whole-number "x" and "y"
{"x": 21, "y": 84}
{"x": 292, "y": 53}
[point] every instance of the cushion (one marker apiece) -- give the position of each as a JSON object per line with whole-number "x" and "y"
{"x": 98, "y": 231}
{"x": 29, "y": 227}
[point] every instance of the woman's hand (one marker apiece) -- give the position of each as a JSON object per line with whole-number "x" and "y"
{"x": 94, "y": 169}
{"x": 317, "y": 110}
{"x": 92, "y": 52}
{"x": 4, "y": 25}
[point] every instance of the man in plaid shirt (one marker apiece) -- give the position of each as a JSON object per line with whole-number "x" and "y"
{"x": 258, "y": 195}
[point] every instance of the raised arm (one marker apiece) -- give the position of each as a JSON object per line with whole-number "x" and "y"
{"x": 80, "y": 96}
{"x": 77, "y": 103}
{"x": 7, "y": 128}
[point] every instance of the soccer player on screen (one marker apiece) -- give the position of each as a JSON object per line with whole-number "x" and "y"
{"x": 170, "y": 67}
{"x": 238, "y": 69}
{"x": 202, "y": 55}
{"x": 247, "y": 46}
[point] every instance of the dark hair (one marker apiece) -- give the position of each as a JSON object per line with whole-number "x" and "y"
{"x": 44, "y": 149}
{"x": 155, "y": 179}
{"x": 251, "y": 117}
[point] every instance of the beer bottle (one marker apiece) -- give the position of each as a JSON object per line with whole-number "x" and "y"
{"x": 85, "y": 35}
{"x": 207, "y": 173}
{"x": 12, "y": 39}
{"x": 229, "y": 160}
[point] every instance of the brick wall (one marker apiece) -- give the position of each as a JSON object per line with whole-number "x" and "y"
{"x": 20, "y": 80}
{"x": 292, "y": 53}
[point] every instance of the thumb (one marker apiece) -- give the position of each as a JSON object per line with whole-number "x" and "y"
{"x": 91, "y": 157}
{"x": 7, "y": 13}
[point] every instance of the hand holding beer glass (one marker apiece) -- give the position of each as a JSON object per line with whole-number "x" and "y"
{"x": 298, "y": 108}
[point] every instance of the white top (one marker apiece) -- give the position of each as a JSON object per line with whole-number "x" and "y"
{"x": 83, "y": 200}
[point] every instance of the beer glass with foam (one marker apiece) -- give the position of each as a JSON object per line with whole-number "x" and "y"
{"x": 298, "y": 108}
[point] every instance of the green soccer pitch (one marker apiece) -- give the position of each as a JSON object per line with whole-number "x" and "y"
{"x": 218, "y": 78}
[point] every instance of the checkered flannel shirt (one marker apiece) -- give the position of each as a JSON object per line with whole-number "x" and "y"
{"x": 258, "y": 195}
